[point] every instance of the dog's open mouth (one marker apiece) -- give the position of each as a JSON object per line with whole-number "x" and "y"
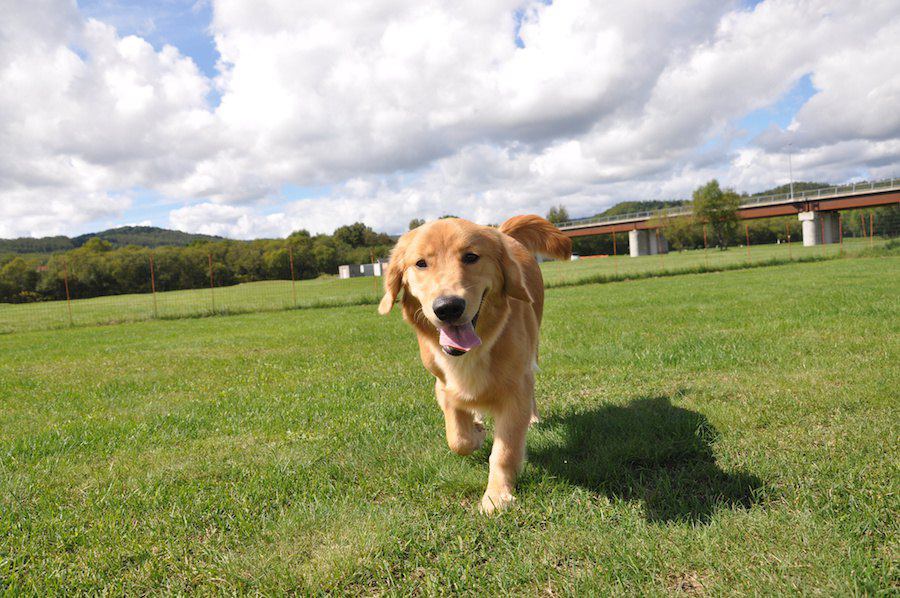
{"x": 459, "y": 340}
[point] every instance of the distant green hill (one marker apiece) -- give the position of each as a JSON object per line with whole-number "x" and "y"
{"x": 145, "y": 236}
{"x": 798, "y": 187}
{"x": 142, "y": 236}
{"x": 628, "y": 207}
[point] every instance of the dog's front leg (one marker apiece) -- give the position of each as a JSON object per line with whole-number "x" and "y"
{"x": 508, "y": 454}
{"x": 464, "y": 434}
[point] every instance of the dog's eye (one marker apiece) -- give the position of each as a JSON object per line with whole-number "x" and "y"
{"x": 421, "y": 264}
{"x": 470, "y": 258}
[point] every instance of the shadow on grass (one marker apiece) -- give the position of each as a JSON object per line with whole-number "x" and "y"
{"x": 648, "y": 450}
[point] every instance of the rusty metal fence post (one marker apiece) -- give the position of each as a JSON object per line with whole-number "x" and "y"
{"x": 68, "y": 297}
{"x": 293, "y": 279}
{"x": 212, "y": 292}
{"x": 705, "y": 248}
{"x": 822, "y": 233}
{"x": 747, "y": 231}
{"x": 787, "y": 230}
{"x": 841, "y": 233}
{"x": 153, "y": 288}
{"x": 871, "y": 229}
{"x": 662, "y": 263}
{"x": 615, "y": 254}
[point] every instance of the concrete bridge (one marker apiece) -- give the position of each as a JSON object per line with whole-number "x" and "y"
{"x": 817, "y": 210}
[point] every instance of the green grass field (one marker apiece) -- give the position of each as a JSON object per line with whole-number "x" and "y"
{"x": 329, "y": 291}
{"x": 558, "y": 274}
{"x": 731, "y": 433}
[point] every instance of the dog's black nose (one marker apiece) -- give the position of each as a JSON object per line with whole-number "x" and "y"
{"x": 449, "y": 308}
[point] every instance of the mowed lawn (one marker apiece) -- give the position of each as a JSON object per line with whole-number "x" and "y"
{"x": 727, "y": 433}
{"x": 328, "y": 291}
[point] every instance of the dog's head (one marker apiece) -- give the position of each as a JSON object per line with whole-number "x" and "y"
{"x": 451, "y": 267}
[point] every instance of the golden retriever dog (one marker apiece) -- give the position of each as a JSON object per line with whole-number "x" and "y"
{"x": 474, "y": 296}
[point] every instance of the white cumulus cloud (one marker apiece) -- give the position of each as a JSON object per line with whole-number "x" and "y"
{"x": 402, "y": 109}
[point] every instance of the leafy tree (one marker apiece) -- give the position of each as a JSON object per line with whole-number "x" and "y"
{"x": 18, "y": 280}
{"x": 129, "y": 270}
{"x": 278, "y": 264}
{"x": 684, "y": 232}
{"x": 352, "y": 235}
{"x": 359, "y": 235}
{"x": 415, "y": 223}
{"x": 599, "y": 245}
{"x": 372, "y": 238}
{"x": 96, "y": 244}
{"x": 19, "y": 274}
{"x": 719, "y": 208}
{"x": 301, "y": 245}
{"x": 558, "y": 214}
{"x": 325, "y": 252}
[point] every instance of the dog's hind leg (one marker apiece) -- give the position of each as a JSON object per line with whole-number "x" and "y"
{"x": 465, "y": 433}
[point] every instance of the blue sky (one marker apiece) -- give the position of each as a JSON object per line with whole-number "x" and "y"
{"x": 781, "y": 113}
{"x": 184, "y": 24}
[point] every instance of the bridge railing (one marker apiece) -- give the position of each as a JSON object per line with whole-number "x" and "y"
{"x": 645, "y": 215}
{"x": 778, "y": 198}
{"x": 824, "y": 192}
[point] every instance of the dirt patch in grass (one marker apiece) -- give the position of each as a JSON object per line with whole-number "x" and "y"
{"x": 687, "y": 583}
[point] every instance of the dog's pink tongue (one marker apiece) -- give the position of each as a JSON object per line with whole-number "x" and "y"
{"x": 460, "y": 337}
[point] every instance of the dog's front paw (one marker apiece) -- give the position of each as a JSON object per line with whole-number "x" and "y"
{"x": 493, "y": 502}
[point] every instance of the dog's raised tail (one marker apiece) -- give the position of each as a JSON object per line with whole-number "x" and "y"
{"x": 539, "y": 236}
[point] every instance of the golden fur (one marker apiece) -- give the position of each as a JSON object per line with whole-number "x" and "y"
{"x": 505, "y": 288}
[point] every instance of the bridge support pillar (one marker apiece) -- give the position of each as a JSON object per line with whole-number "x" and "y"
{"x": 658, "y": 243}
{"x": 819, "y": 228}
{"x": 638, "y": 242}
{"x": 646, "y": 242}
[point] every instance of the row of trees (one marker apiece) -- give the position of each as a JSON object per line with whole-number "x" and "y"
{"x": 96, "y": 268}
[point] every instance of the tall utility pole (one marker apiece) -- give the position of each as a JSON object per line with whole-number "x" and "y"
{"x": 791, "y": 169}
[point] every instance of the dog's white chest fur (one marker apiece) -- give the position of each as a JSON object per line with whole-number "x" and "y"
{"x": 467, "y": 376}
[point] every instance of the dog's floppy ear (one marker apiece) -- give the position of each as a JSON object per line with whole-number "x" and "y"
{"x": 393, "y": 274}
{"x": 513, "y": 279}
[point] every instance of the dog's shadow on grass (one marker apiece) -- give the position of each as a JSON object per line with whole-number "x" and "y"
{"x": 649, "y": 451}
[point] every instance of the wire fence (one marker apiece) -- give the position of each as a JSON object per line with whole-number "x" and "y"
{"x": 163, "y": 294}
{"x": 163, "y": 299}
